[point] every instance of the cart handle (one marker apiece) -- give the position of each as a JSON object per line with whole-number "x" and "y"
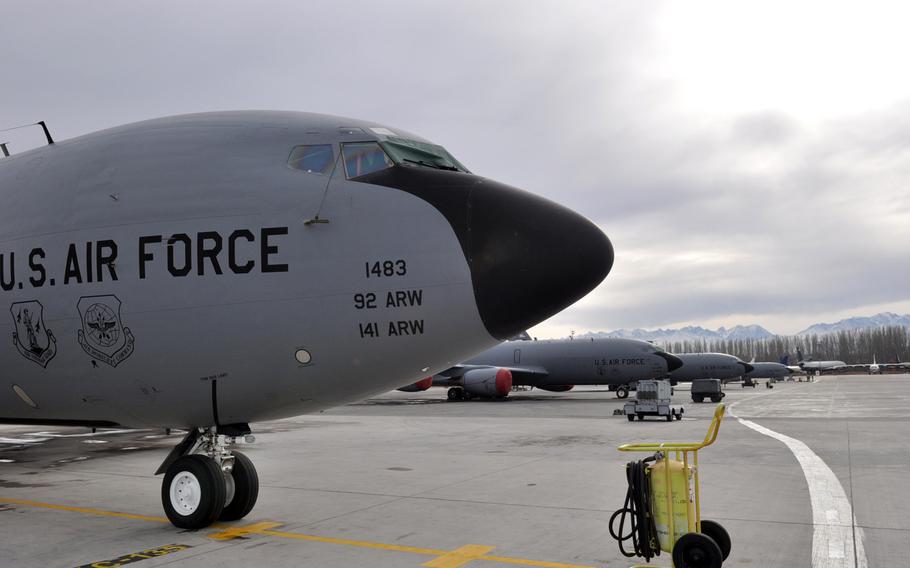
{"x": 681, "y": 446}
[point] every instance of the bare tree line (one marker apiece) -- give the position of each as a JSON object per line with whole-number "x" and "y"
{"x": 887, "y": 344}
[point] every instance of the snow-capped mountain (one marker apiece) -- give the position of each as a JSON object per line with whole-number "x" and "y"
{"x": 692, "y": 333}
{"x": 878, "y": 320}
{"x": 688, "y": 333}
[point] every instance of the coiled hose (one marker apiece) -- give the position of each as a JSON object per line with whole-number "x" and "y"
{"x": 637, "y": 509}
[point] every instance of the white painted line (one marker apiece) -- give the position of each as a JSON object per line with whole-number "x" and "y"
{"x": 833, "y": 541}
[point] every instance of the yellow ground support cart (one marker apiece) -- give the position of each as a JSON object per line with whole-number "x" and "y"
{"x": 662, "y": 505}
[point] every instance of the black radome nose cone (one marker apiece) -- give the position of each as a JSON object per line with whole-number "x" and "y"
{"x": 673, "y": 362}
{"x": 529, "y": 257}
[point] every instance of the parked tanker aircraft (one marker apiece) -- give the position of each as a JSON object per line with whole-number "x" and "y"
{"x": 767, "y": 370}
{"x": 207, "y": 271}
{"x": 710, "y": 366}
{"x": 818, "y": 367}
{"x": 553, "y": 365}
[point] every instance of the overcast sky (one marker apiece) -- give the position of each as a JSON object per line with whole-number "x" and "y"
{"x": 749, "y": 161}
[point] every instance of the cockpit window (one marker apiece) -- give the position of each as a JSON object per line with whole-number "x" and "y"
{"x": 362, "y": 158}
{"x": 413, "y": 152}
{"x": 314, "y": 159}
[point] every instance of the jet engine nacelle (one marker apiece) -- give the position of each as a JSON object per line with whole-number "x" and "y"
{"x": 421, "y": 385}
{"x": 491, "y": 382}
{"x": 557, "y": 388}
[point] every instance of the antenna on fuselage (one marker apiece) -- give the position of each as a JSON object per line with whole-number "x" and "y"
{"x": 5, "y": 149}
{"x": 41, "y": 123}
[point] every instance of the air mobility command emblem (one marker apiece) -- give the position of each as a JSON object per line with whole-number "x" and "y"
{"x": 32, "y": 339}
{"x": 102, "y": 335}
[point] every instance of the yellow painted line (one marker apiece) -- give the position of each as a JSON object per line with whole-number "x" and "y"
{"x": 232, "y": 532}
{"x": 459, "y": 557}
{"x": 85, "y": 510}
{"x": 443, "y": 558}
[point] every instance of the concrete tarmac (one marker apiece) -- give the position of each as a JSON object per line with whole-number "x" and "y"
{"x": 409, "y": 479}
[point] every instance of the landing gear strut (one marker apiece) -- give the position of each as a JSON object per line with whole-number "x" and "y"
{"x": 205, "y": 481}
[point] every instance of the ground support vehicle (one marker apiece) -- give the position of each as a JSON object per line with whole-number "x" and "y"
{"x": 707, "y": 388}
{"x": 653, "y": 398}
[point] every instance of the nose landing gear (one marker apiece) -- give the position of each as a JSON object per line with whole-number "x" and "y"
{"x": 205, "y": 481}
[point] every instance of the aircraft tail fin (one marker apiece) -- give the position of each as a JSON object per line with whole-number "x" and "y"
{"x": 785, "y": 360}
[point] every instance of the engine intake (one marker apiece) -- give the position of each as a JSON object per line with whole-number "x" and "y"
{"x": 492, "y": 382}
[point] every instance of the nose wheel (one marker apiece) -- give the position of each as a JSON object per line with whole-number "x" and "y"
{"x": 246, "y": 489}
{"x": 193, "y": 492}
{"x": 211, "y": 483}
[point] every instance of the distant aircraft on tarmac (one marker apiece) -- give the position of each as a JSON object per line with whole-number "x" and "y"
{"x": 709, "y": 366}
{"x": 878, "y": 368}
{"x": 553, "y": 365}
{"x": 207, "y": 271}
{"x": 768, "y": 370}
{"x": 818, "y": 367}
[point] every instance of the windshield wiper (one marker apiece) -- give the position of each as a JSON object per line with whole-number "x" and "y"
{"x": 431, "y": 165}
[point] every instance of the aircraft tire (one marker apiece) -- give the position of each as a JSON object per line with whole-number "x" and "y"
{"x": 455, "y": 394}
{"x": 193, "y": 492}
{"x": 246, "y": 489}
{"x": 622, "y": 391}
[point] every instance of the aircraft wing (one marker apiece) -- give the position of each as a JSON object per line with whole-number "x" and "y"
{"x": 520, "y": 375}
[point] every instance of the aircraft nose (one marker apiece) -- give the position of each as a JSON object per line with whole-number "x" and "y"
{"x": 673, "y": 362}
{"x": 530, "y": 258}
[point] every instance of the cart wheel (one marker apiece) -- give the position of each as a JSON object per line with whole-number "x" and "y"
{"x": 670, "y": 417}
{"x": 631, "y": 417}
{"x": 719, "y": 534}
{"x": 641, "y": 416}
{"x": 696, "y": 550}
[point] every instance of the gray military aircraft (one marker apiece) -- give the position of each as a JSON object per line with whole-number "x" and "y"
{"x": 767, "y": 370}
{"x": 554, "y": 365}
{"x": 818, "y": 367}
{"x": 709, "y": 366}
{"x": 206, "y": 271}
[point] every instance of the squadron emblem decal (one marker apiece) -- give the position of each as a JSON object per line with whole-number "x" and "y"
{"x": 102, "y": 335}
{"x": 33, "y": 341}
